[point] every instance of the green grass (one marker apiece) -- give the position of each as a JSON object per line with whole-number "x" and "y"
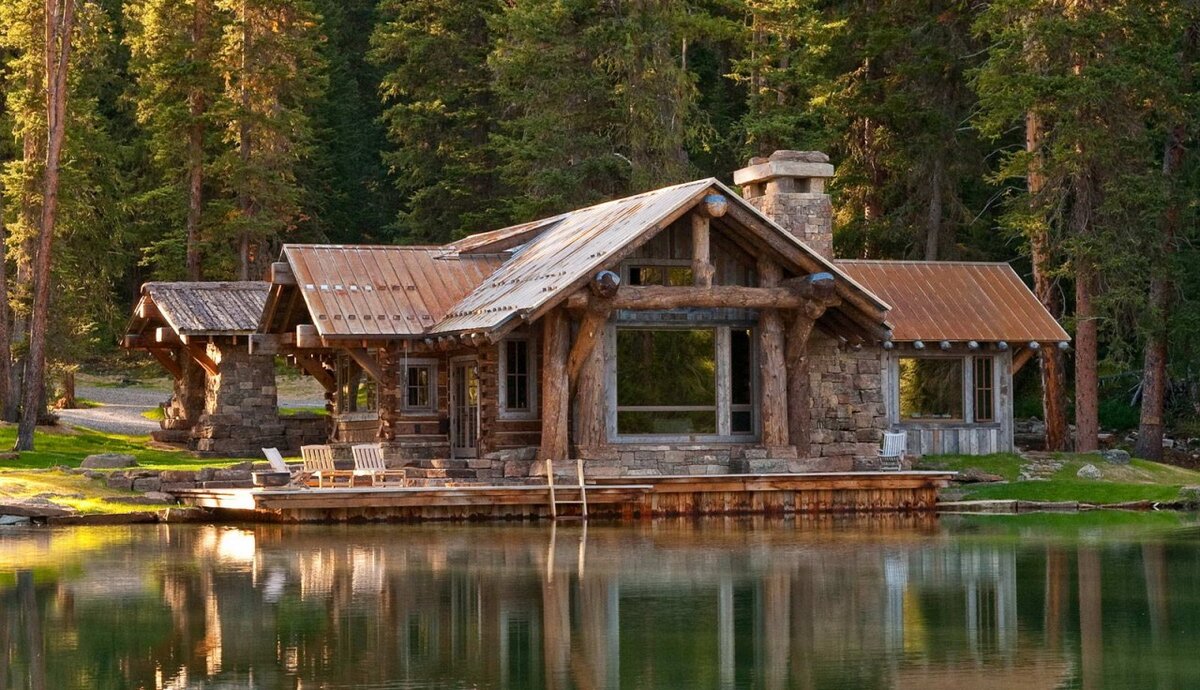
{"x": 1140, "y": 480}
{"x": 66, "y": 490}
{"x": 292, "y": 411}
{"x": 154, "y": 414}
{"x": 85, "y": 404}
{"x": 61, "y": 446}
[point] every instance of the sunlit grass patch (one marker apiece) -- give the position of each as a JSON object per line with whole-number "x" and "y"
{"x": 69, "y": 446}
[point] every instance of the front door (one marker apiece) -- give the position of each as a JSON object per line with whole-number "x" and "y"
{"x": 464, "y": 408}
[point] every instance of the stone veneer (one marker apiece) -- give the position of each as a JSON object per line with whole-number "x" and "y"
{"x": 241, "y": 412}
{"x": 848, "y": 411}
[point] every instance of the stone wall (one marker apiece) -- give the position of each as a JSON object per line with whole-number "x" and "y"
{"x": 848, "y": 411}
{"x": 241, "y": 413}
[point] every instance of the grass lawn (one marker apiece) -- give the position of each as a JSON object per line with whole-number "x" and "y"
{"x": 67, "y": 446}
{"x": 1140, "y": 480}
{"x": 66, "y": 490}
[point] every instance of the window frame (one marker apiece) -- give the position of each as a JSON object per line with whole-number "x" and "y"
{"x": 413, "y": 410}
{"x": 531, "y": 361}
{"x": 969, "y": 416}
{"x": 723, "y": 376}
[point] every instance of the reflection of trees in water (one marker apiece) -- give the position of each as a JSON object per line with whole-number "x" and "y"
{"x": 877, "y": 603}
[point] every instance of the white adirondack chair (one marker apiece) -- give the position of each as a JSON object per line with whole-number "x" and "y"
{"x": 368, "y": 462}
{"x": 891, "y": 454}
{"x": 318, "y": 463}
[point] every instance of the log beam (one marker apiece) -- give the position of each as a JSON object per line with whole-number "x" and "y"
{"x": 771, "y": 350}
{"x": 555, "y": 386}
{"x": 168, "y": 361}
{"x": 591, "y": 330}
{"x": 659, "y": 297}
{"x": 199, "y": 352}
{"x": 281, "y": 273}
{"x": 1021, "y": 358}
{"x": 366, "y": 361}
{"x": 312, "y": 366}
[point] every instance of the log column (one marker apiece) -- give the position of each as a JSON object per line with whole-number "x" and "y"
{"x": 774, "y": 377}
{"x": 819, "y": 290}
{"x": 585, "y": 363}
{"x": 389, "y": 381}
{"x": 555, "y": 389}
{"x": 702, "y": 268}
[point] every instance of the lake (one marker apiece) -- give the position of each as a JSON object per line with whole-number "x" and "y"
{"x": 1101, "y": 600}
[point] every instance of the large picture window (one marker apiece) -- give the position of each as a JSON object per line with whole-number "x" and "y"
{"x": 931, "y": 389}
{"x": 669, "y": 382}
{"x": 947, "y": 389}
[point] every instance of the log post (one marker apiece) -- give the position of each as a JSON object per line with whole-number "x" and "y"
{"x": 771, "y": 349}
{"x": 389, "y": 367}
{"x": 555, "y": 391}
{"x": 702, "y": 268}
{"x": 818, "y": 287}
{"x": 590, "y": 421}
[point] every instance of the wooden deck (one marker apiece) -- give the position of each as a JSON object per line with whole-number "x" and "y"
{"x": 771, "y": 494}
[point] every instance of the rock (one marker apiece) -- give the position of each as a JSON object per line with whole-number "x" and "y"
{"x": 108, "y": 461}
{"x": 1115, "y": 456}
{"x": 177, "y": 476}
{"x": 29, "y": 510}
{"x": 9, "y": 520}
{"x": 517, "y": 468}
{"x": 231, "y": 475}
{"x": 146, "y": 500}
{"x": 974, "y": 475}
{"x": 147, "y": 484}
{"x": 1089, "y": 471}
{"x": 1190, "y": 494}
{"x": 121, "y": 483}
{"x": 10, "y": 456}
{"x": 246, "y": 466}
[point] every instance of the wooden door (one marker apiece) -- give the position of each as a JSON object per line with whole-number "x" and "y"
{"x": 464, "y": 408}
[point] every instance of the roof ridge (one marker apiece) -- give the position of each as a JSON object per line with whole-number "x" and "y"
{"x": 954, "y": 262}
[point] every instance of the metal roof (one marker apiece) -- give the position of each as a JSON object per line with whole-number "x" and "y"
{"x": 564, "y": 253}
{"x": 219, "y": 308}
{"x": 956, "y": 301}
{"x": 362, "y": 290}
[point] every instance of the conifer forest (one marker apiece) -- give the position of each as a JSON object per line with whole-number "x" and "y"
{"x": 189, "y": 139}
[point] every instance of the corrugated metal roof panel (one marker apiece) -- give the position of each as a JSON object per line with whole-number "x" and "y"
{"x": 575, "y": 245}
{"x": 956, "y": 301}
{"x": 366, "y": 291}
{"x": 193, "y": 308}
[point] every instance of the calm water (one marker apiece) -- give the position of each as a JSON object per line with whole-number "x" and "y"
{"x": 1029, "y": 602}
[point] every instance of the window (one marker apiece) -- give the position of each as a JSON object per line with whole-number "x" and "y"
{"x": 419, "y": 386}
{"x": 984, "y": 389}
{"x": 356, "y": 389}
{"x": 667, "y": 382}
{"x": 931, "y": 388}
{"x": 673, "y": 276}
{"x": 516, "y": 376}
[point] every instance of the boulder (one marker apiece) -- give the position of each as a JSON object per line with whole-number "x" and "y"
{"x": 108, "y": 461}
{"x": 1089, "y": 471}
{"x": 1115, "y": 456}
{"x": 177, "y": 476}
{"x": 974, "y": 475}
{"x": 147, "y": 484}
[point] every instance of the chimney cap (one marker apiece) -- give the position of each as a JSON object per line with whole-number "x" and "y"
{"x": 795, "y": 164}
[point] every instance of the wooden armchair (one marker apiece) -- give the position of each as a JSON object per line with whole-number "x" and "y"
{"x": 368, "y": 461}
{"x": 891, "y": 454}
{"x": 318, "y": 464}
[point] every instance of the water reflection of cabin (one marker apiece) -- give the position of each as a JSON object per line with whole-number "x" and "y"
{"x": 684, "y": 330}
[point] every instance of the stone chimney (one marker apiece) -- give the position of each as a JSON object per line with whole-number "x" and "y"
{"x": 789, "y": 188}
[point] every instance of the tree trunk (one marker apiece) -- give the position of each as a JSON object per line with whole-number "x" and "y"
{"x": 8, "y": 395}
{"x": 1053, "y": 365}
{"x": 245, "y": 201}
{"x": 1162, "y": 290}
{"x": 197, "y": 105}
{"x": 1087, "y": 382}
{"x": 60, "y": 16}
{"x": 933, "y": 222}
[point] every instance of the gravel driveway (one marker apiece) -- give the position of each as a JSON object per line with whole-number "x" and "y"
{"x": 121, "y": 408}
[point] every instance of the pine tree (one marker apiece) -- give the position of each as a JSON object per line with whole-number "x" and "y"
{"x": 172, "y": 44}
{"x": 441, "y": 111}
{"x": 268, "y": 60}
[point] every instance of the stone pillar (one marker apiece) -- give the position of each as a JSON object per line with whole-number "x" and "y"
{"x": 187, "y": 402}
{"x": 241, "y": 406}
{"x": 789, "y": 188}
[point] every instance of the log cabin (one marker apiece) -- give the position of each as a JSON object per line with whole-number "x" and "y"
{"x": 686, "y": 330}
